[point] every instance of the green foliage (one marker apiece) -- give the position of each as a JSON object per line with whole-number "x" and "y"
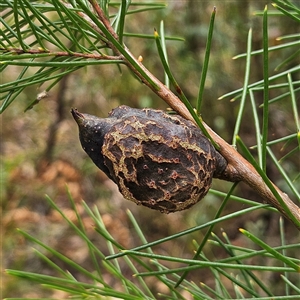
{"x": 30, "y": 38}
{"x": 43, "y": 41}
{"x": 144, "y": 263}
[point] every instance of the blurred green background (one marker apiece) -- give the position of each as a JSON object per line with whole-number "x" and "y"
{"x": 41, "y": 153}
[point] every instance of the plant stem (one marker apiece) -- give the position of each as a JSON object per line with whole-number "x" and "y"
{"x": 238, "y": 168}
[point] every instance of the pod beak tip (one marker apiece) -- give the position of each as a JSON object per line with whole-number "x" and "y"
{"x": 76, "y": 115}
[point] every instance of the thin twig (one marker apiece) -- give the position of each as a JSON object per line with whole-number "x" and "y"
{"x": 60, "y": 53}
{"x": 103, "y": 18}
{"x": 238, "y": 169}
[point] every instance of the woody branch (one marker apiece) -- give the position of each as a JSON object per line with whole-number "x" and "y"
{"x": 238, "y": 169}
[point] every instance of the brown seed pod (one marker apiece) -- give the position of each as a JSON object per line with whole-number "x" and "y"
{"x": 157, "y": 160}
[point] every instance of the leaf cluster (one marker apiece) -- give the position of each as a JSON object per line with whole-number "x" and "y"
{"x": 144, "y": 263}
{"x": 43, "y": 41}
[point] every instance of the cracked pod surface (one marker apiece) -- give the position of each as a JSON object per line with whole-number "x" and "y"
{"x": 157, "y": 160}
